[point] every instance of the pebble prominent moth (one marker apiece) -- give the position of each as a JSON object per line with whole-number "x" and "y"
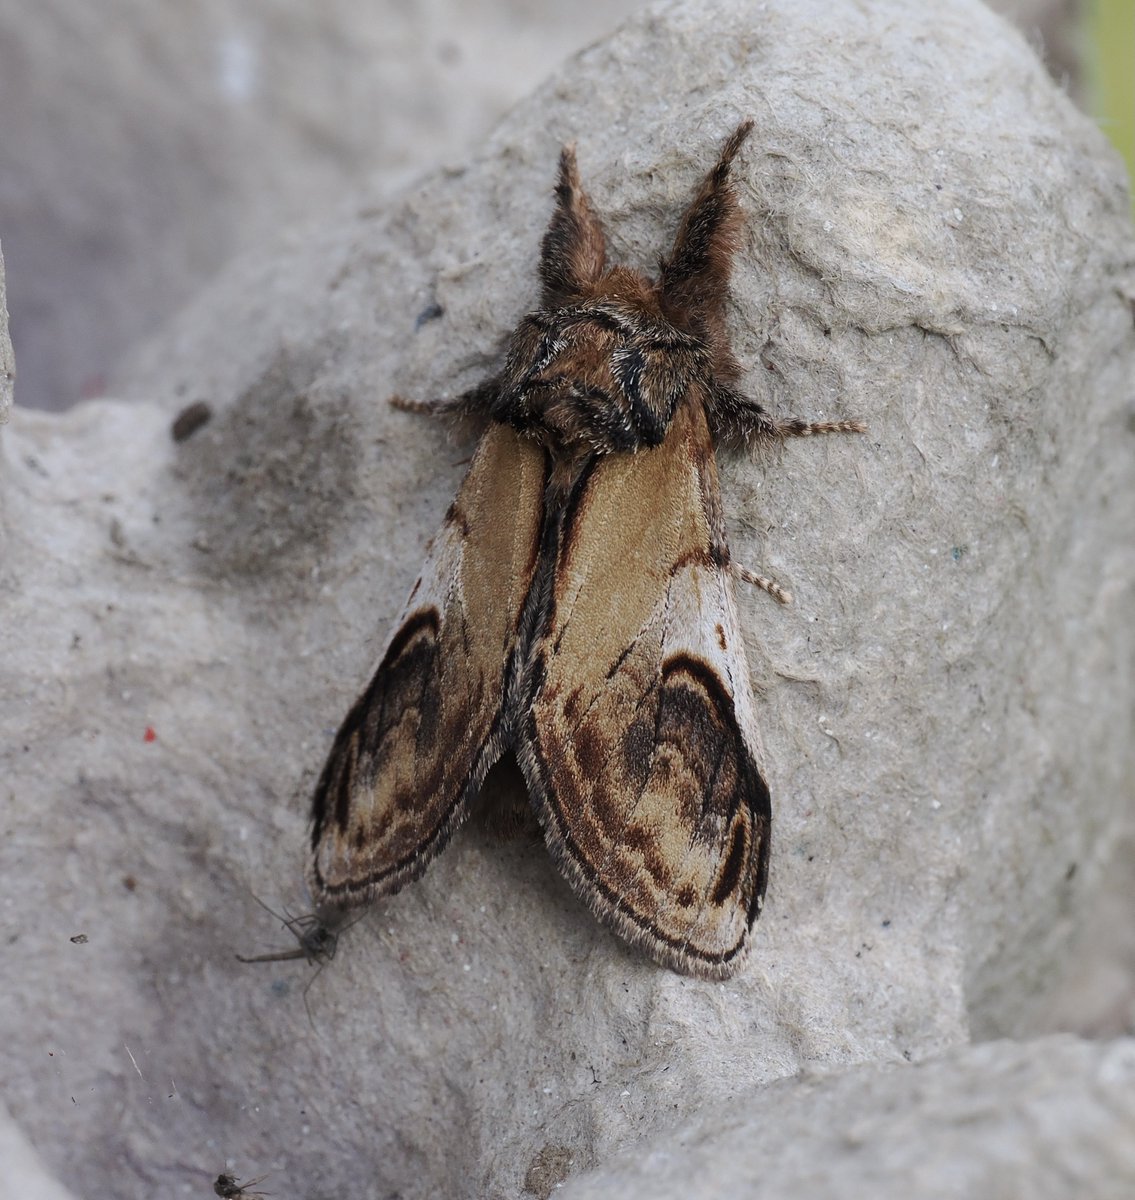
{"x": 577, "y": 607}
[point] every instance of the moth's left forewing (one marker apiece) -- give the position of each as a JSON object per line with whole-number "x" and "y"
{"x": 414, "y": 748}
{"x": 639, "y": 743}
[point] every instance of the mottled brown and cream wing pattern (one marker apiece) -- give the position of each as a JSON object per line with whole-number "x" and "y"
{"x": 639, "y": 741}
{"x": 418, "y": 742}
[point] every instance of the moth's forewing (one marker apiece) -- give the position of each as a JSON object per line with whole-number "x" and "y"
{"x": 415, "y": 747}
{"x": 639, "y": 741}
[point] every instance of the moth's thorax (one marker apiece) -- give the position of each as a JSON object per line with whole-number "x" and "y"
{"x": 597, "y": 376}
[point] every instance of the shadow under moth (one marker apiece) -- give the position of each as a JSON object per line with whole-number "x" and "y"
{"x": 577, "y": 607}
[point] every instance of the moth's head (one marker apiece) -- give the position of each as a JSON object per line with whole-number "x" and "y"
{"x": 609, "y": 356}
{"x": 604, "y": 373}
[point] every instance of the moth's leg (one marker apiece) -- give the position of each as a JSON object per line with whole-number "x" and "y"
{"x": 794, "y": 427}
{"x": 737, "y": 418}
{"x": 695, "y": 276}
{"x": 778, "y": 593}
{"x": 573, "y": 253}
{"x": 475, "y": 402}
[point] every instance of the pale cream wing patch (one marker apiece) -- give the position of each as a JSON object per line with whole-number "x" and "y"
{"x": 418, "y": 742}
{"x": 639, "y": 743}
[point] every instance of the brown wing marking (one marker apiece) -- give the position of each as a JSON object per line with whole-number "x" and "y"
{"x": 639, "y": 743}
{"x": 416, "y": 745}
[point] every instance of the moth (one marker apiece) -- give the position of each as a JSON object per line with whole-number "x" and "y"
{"x": 577, "y": 607}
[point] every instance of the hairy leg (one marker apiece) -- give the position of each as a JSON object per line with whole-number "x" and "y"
{"x": 780, "y": 594}
{"x": 735, "y": 417}
{"x": 472, "y": 403}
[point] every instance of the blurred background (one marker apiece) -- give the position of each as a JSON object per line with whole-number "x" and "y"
{"x": 145, "y": 143}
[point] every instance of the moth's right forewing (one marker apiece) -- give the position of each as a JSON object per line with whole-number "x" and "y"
{"x": 640, "y": 743}
{"x": 418, "y": 742}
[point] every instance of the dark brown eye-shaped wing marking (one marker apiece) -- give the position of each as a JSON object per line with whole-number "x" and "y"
{"x": 639, "y": 744}
{"x": 418, "y": 742}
